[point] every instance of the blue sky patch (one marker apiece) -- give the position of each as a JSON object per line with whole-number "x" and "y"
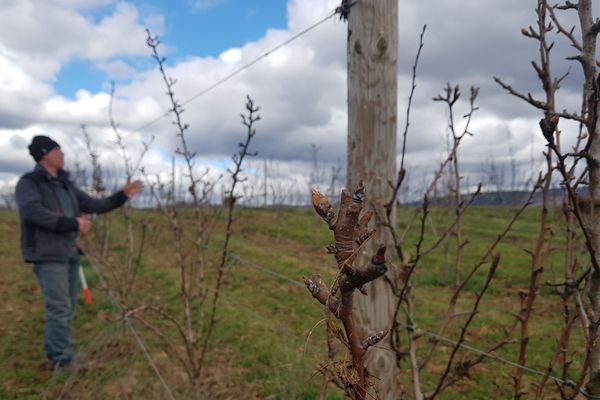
{"x": 76, "y": 75}
{"x": 192, "y": 28}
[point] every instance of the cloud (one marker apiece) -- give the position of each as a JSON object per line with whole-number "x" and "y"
{"x": 15, "y": 156}
{"x": 40, "y": 36}
{"x": 301, "y": 87}
{"x": 36, "y": 39}
{"x": 231, "y": 56}
{"x": 80, "y": 4}
{"x": 20, "y": 94}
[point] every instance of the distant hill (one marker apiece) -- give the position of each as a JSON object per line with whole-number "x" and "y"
{"x": 504, "y": 198}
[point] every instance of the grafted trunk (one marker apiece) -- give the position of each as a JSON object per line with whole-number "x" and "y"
{"x": 372, "y": 110}
{"x": 351, "y": 233}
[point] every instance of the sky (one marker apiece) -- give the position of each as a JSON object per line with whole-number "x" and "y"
{"x": 59, "y": 57}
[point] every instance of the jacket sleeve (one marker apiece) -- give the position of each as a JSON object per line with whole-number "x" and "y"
{"x": 33, "y": 211}
{"x": 90, "y": 205}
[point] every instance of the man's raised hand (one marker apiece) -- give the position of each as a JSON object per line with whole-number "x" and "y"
{"x": 133, "y": 188}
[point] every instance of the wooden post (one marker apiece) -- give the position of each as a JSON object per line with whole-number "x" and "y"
{"x": 372, "y": 114}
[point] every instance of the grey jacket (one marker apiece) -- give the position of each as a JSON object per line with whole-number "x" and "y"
{"x": 46, "y": 235}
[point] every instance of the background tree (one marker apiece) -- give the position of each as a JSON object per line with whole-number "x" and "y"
{"x": 576, "y": 206}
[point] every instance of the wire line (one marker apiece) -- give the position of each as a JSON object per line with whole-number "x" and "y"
{"x": 242, "y": 68}
{"x": 504, "y": 360}
{"x": 133, "y": 330}
{"x": 297, "y": 282}
{"x": 436, "y": 336}
{"x": 266, "y": 270}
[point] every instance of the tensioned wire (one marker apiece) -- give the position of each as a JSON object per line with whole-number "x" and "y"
{"x": 241, "y": 69}
{"x": 282, "y": 276}
{"x": 117, "y": 305}
{"x": 433, "y": 335}
{"x": 206, "y": 90}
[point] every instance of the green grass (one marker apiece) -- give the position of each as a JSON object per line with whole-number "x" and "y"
{"x": 269, "y": 336}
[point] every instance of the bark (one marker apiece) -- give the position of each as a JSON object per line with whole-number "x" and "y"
{"x": 350, "y": 233}
{"x": 372, "y": 114}
{"x": 589, "y": 31}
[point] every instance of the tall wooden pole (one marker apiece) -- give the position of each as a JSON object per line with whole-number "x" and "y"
{"x": 372, "y": 112}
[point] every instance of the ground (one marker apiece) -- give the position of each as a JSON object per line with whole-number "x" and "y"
{"x": 269, "y": 335}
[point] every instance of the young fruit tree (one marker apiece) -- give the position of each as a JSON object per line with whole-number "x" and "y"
{"x": 351, "y": 234}
{"x": 579, "y": 208}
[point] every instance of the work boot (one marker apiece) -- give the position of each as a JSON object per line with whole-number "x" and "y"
{"x": 64, "y": 367}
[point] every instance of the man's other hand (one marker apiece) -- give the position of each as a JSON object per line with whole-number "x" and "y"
{"x": 133, "y": 188}
{"x": 85, "y": 225}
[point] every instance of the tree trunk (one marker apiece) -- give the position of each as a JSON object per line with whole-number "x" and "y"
{"x": 594, "y": 289}
{"x": 372, "y": 91}
{"x": 588, "y": 60}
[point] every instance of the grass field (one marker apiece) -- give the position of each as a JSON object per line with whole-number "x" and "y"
{"x": 269, "y": 336}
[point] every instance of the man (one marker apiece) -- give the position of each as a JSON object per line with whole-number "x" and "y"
{"x": 50, "y": 209}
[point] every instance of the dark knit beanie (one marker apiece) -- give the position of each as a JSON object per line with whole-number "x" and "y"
{"x": 40, "y": 146}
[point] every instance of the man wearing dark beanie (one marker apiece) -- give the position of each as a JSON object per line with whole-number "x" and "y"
{"x": 40, "y": 146}
{"x": 51, "y": 211}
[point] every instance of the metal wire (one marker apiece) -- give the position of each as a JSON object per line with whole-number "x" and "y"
{"x": 141, "y": 344}
{"x": 243, "y": 68}
{"x": 187, "y": 101}
{"x": 436, "y": 336}
{"x": 265, "y": 270}
{"x": 504, "y": 360}
{"x": 293, "y": 281}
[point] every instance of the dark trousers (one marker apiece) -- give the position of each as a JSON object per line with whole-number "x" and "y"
{"x": 58, "y": 282}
